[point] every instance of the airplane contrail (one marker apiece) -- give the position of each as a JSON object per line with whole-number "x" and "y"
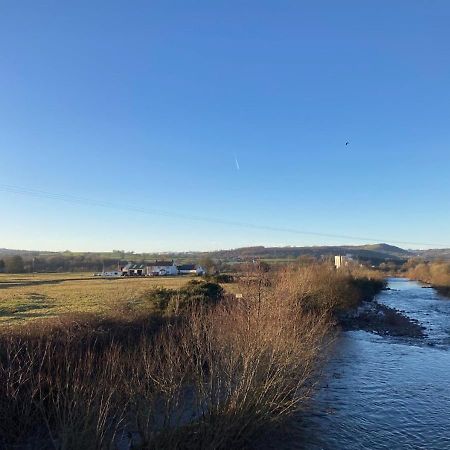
{"x": 237, "y": 163}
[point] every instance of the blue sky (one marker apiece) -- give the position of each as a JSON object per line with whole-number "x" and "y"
{"x": 147, "y": 104}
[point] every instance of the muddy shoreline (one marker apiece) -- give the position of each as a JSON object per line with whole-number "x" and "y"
{"x": 380, "y": 319}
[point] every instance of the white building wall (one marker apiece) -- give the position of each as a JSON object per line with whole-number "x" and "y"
{"x": 338, "y": 261}
{"x": 342, "y": 261}
{"x": 162, "y": 270}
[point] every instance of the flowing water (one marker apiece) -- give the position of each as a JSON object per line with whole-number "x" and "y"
{"x": 383, "y": 392}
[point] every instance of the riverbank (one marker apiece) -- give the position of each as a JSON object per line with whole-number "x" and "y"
{"x": 435, "y": 274}
{"x": 380, "y": 319}
{"x": 443, "y": 290}
{"x": 379, "y": 391}
{"x": 374, "y": 317}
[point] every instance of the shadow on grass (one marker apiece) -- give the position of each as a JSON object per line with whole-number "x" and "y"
{"x": 33, "y": 307}
{"x": 24, "y": 283}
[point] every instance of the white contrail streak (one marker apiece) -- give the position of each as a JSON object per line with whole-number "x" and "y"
{"x": 237, "y": 163}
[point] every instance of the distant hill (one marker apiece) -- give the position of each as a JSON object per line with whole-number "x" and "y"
{"x": 439, "y": 253}
{"x": 386, "y": 249}
{"x": 373, "y": 253}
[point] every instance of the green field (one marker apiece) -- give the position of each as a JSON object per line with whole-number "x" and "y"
{"x": 33, "y": 296}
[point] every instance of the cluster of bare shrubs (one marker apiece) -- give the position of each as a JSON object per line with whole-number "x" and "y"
{"x": 57, "y": 390}
{"x": 321, "y": 287}
{"x": 435, "y": 273}
{"x": 208, "y": 378}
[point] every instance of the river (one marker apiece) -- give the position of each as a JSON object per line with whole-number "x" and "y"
{"x": 382, "y": 392}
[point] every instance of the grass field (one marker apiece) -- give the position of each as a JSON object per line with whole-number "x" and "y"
{"x": 29, "y": 296}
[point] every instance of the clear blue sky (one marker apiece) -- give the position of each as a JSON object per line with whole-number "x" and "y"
{"x": 148, "y": 104}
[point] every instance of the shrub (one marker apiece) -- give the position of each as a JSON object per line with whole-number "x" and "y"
{"x": 195, "y": 294}
{"x": 220, "y": 278}
{"x": 159, "y": 296}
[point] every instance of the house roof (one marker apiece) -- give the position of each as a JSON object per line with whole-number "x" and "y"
{"x": 187, "y": 267}
{"x": 160, "y": 264}
{"x": 131, "y": 266}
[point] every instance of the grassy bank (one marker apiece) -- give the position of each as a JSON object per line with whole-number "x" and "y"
{"x": 203, "y": 370}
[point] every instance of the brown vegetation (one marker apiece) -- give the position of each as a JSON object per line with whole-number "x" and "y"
{"x": 321, "y": 287}
{"x": 434, "y": 273}
{"x": 204, "y": 375}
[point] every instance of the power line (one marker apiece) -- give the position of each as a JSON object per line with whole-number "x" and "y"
{"x": 72, "y": 199}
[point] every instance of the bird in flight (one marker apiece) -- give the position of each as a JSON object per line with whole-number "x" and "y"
{"x": 347, "y": 143}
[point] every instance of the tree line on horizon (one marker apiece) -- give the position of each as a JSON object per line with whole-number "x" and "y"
{"x": 87, "y": 263}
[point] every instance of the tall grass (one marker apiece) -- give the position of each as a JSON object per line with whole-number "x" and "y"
{"x": 435, "y": 273}
{"x": 321, "y": 287}
{"x": 209, "y": 377}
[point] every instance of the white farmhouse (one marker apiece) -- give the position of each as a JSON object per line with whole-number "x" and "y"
{"x": 161, "y": 268}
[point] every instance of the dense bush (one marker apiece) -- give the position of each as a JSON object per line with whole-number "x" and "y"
{"x": 202, "y": 291}
{"x": 220, "y": 278}
{"x": 194, "y": 293}
{"x": 159, "y": 296}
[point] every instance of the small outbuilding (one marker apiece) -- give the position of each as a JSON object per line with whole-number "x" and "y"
{"x": 190, "y": 269}
{"x": 134, "y": 270}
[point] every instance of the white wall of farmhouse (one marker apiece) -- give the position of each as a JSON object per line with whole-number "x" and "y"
{"x": 162, "y": 270}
